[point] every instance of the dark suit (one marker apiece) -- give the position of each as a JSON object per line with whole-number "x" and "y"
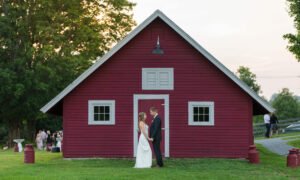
{"x": 155, "y": 133}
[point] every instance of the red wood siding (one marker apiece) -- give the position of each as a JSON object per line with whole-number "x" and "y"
{"x": 195, "y": 79}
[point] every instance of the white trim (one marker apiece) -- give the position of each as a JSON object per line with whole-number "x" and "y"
{"x": 92, "y": 103}
{"x": 157, "y": 86}
{"x": 211, "y": 107}
{"x": 137, "y": 30}
{"x": 136, "y": 98}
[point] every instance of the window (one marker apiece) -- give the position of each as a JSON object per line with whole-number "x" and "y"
{"x": 101, "y": 112}
{"x": 201, "y": 113}
{"x": 157, "y": 79}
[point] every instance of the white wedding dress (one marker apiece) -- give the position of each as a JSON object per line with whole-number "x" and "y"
{"x": 144, "y": 153}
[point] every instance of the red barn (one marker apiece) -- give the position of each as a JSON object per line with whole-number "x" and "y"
{"x": 206, "y": 110}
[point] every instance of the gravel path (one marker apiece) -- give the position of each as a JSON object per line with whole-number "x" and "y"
{"x": 276, "y": 145}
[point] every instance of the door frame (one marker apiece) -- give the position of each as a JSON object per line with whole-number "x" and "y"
{"x": 136, "y": 98}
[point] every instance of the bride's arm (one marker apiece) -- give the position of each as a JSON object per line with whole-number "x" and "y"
{"x": 142, "y": 128}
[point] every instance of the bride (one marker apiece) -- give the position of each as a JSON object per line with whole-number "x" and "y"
{"x": 144, "y": 153}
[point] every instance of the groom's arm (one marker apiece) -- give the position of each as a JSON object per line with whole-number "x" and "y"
{"x": 156, "y": 124}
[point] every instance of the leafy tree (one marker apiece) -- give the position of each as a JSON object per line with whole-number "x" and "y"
{"x": 249, "y": 78}
{"x": 286, "y": 104}
{"x": 294, "y": 39}
{"x": 44, "y": 45}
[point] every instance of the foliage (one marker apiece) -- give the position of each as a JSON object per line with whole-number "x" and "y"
{"x": 286, "y": 105}
{"x": 294, "y": 39}
{"x": 249, "y": 78}
{"x": 258, "y": 119}
{"x": 44, "y": 45}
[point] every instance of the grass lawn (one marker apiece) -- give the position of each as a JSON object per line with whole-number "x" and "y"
{"x": 52, "y": 166}
{"x": 295, "y": 142}
{"x": 291, "y": 138}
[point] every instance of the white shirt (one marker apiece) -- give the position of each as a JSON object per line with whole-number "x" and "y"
{"x": 267, "y": 118}
{"x": 44, "y": 135}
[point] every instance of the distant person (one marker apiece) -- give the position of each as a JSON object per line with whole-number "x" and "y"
{"x": 59, "y": 139}
{"x": 44, "y": 137}
{"x": 274, "y": 124}
{"x": 54, "y": 136}
{"x": 267, "y": 124}
{"x": 39, "y": 140}
{"x": 49, "y": 141}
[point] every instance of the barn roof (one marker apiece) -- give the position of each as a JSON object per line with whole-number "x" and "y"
{"x": 55, "y": 103}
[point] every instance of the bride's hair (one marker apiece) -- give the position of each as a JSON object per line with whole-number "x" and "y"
{"x": 142, "y": 116}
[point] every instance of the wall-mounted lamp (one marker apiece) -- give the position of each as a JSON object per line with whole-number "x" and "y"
{"x": 157, "y": 49}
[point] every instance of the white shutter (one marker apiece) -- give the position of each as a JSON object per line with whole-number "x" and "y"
{"x": 157, "y": 79}
{"x": 151, "y": 79}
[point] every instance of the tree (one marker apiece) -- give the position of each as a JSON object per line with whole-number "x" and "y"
{"x": 44, "y": 45}
{"x": 294, "y": 39}
{"x": 249, "y": 78}
{"x": 286, "y": 105}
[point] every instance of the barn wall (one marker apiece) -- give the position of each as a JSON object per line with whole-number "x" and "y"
{"x": 195, "y": 79}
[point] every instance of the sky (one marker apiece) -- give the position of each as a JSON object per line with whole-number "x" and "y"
{"x": 238, "y": 33}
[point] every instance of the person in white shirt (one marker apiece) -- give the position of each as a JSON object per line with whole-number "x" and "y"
{"x": 268, "y": 125}
{"x": 44, "y": 137}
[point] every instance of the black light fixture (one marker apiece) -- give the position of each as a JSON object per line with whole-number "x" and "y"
{"x": 157, "y": 49}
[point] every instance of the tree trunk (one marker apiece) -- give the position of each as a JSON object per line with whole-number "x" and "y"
{"x": 13, "y": 132}
{"x": 31, "y": 131}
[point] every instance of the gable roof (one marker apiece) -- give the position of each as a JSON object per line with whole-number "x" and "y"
{"x": 131, "y": 35}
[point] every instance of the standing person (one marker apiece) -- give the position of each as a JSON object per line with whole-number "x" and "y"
{"x": 58, "y": 139}
{"x": 49, "y": 141}
{"x": 155, "y": 134}
{"x": 39, "y": 140}
{"x": 274, "y": 124}
{"x": 144, "y": 153}
{"x": 267, "y": 124}
{"x": 44, "y": 137}
{"x": 54, "y": 136}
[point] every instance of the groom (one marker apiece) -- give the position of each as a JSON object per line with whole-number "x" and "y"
{"x": 155, "y": 134}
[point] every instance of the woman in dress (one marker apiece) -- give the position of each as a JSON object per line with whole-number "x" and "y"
{"x": 144, "y": 153}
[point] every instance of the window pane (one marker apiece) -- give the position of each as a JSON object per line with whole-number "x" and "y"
{"x": 201, "y": 110}
{"x": 196, "y": 110}
{"x": 101, "y": 109}
{"x": 106, "y": 117}
{"x": 201, "y": 118}
{"x": 96, "y": 109}
{"x": 196, "y": 118}
{"x": 95, "y": 117}
{"x": 206, "y": 118}
{"x": 101, "y": 117}
{"x": 206, "y": 111}
{"x": 106, "y": 109}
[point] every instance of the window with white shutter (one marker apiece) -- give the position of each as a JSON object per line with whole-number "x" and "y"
{"x": 157, "y": 79}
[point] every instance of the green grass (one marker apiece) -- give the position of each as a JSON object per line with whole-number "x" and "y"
{"x": 295, "y": 142}
{"x": 291, "y": 137}
{"x": 52, "y": 166}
